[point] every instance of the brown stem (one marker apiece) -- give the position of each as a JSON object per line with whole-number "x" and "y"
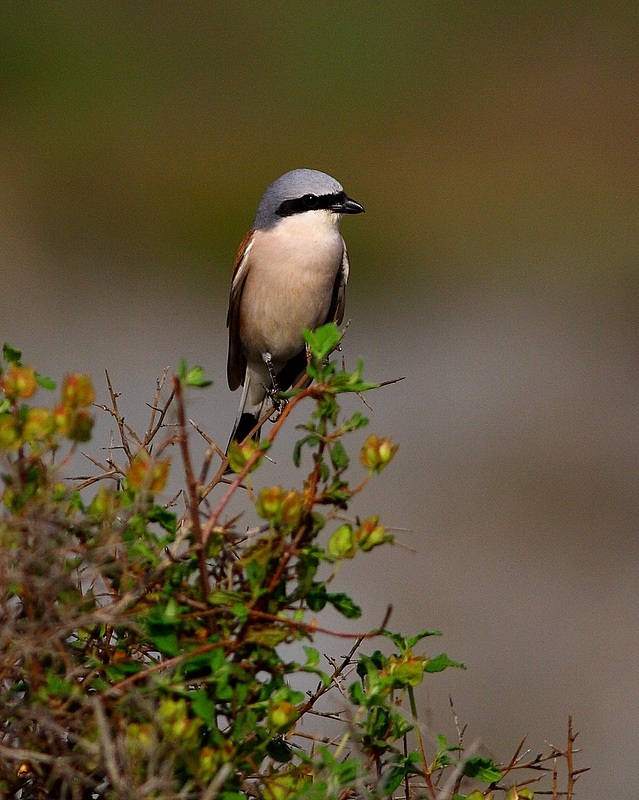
{"x": 192, "y": 486}
{"x": 114, "y": 410}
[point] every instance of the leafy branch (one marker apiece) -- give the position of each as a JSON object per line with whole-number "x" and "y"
{"x": 142, "y": 646}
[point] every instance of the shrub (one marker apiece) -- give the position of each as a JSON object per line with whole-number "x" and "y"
{"x": 142, "y": 649}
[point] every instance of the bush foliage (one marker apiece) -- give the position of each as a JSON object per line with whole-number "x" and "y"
{"x": 142, "y": 649}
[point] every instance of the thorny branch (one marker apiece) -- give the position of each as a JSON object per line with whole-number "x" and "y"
{"x": 192, "y": 528}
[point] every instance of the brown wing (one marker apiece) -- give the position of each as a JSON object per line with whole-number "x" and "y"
{"x": 236, "y": 363}
{"x": 338, "y": 301}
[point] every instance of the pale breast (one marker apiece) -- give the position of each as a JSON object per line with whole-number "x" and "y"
{"x": 288, "y": 287}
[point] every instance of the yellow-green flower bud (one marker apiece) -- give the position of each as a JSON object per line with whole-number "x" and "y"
{"x": 104, "y": 504}
{"x": 342, "y": 542}
{"x": 9, "y": 433}
{"x": 285, "y": 786}
{"x": 39, "y": 424}
{"x": 175, "y": 720}
{"x": 408, "y": 669}
{"x": 377, "y": 453}
{"x": 239, "y": 454}
{"x": 370, "y": 534}
{"x": 292, "y": 508}
{"x": 208, "y": 763}
{"x": 139, "y": 737}
{"x": 77, "y": 391}
{"x": 79, "y": 425}
{"x": 19, "y": 382}
{"x": 269, "y": 503}
{"x": 282, "y": 716}
{"x": 146, "y": 472}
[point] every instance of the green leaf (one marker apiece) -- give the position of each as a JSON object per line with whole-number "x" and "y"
{"x": 322, "y": 341}
{"x": 444, "y": 746}
{"x": 58, "y": 687}
{"x": 165, "y": 519}
{"x": 11, "y": 354}
{"x": 267, "y": 637}
{"x": 345, "y": 605}
{"x": 312, "y": 657}
{"x": 339, "y": 457}
{"x": 356, "y": 421}
{"x": 338, "y": 493}
{"x": 202, "y": 706}
{"x": 206, "y": 664}
{"x": 357, "y": 694}
{"x": 405, "y": 643}
{"x": 162, "y": 625}
{"x": 311, "y": 440}
{"x": 316, "y": 597}
{"x": 241, "y": 612}
{"x": 404, "y": 767}
{"x": 123, "y": 670}
{"x": 192, "y": 376}
{"x": 166, "y": 642}
{"x": 223, "y": 597}
{"x": 440, "y": 663}
{"x": 482, "y": 769}
{"x": 45, "y": 383}
{"x": 196, "y": 379}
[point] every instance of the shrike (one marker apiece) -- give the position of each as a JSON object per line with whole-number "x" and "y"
{"x": 290, "y": 273}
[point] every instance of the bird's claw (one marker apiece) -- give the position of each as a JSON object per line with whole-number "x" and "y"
{"x": 278, "y": 405}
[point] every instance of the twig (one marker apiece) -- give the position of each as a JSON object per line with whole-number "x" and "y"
{"x": 150, "y": 435}
{"x": 115, "y": 474}
{"x": 420, "y": 742}
{"x": 322, "y": 689}
{"x": 216, "y": 784}
{"x": 192, "y": 486}
{"x": 99, "y": 464}
{"x": 153, "y": 429}
{"x": 460, "y": 731}
{"x": 390, "y": 382}
{"x": 406, "y": 782}
{"x": 20, "y": 754}
{"x": 118, "y": 417}
{"x": 160, "y": 666}
{"x": 211, "y": 450}
{"x": 108, "y": 748}
{"x": 572, "y": 772}
{"x": 204, "y": 610}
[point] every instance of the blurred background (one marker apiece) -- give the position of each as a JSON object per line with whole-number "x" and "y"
{"x": 495, "y": 148}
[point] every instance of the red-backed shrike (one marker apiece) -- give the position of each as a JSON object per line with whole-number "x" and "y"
{"x": 290, "y": 273}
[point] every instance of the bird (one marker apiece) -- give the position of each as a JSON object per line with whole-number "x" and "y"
{"x": 290, "y": 273}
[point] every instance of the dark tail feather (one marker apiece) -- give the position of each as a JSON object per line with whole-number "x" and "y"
{"x": 292, "y": 371}
{"x": 244, "y": 426}
{"x": 287, "y": 377}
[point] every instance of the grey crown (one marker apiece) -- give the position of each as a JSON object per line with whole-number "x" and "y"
{"x": 289, "y": 186}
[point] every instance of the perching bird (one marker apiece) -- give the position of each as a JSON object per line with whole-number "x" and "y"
{"x": 290, "y": 273}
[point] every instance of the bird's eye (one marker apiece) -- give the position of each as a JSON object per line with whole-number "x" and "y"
{"x": 310, "y": 201}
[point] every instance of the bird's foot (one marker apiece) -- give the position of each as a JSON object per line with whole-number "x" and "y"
{"x": 268, "y": 360}
{"x": 278, "y": 402}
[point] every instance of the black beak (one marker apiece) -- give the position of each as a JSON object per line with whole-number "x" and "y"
{"x": 347, "y": 206}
